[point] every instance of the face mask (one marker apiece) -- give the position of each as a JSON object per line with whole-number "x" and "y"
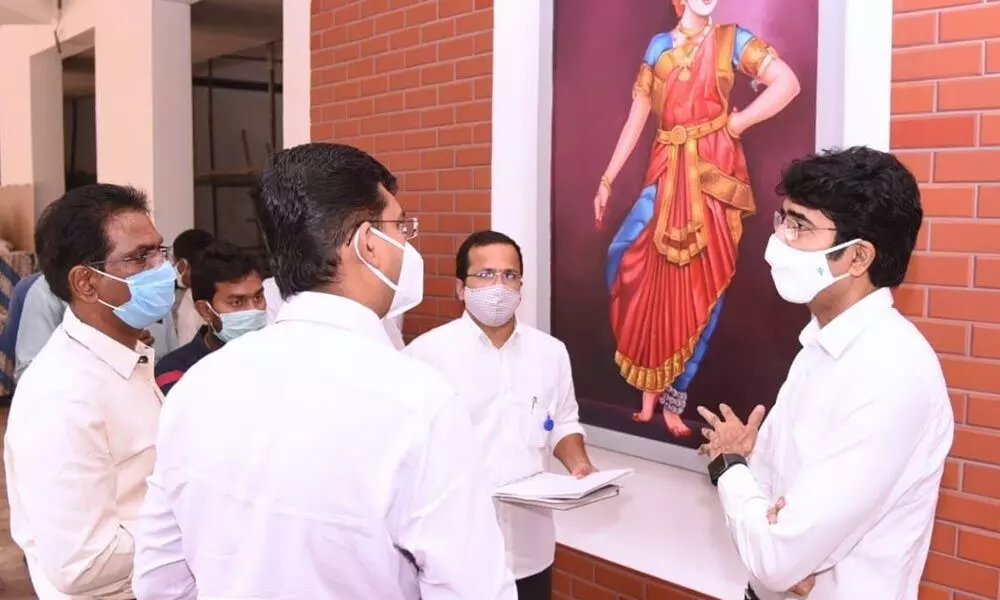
{"x": 152, "y": 296}
{"x": 180, "y": 278}
{"x": 239, "y": 323}
{"x": 409, "y": 290}
{"x": 493, "y": 305}
{"x": 799, "y": 275}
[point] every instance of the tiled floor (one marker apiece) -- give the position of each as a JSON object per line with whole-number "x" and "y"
{"x": 12, "y": 572}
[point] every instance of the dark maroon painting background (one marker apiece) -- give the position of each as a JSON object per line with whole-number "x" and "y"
{"x": 598, "y": 46}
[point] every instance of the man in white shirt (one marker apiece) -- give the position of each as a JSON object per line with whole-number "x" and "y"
{"x": 853, "y": 451}
{"x": 517, "y": 385}
{"x": 393, "y": 325}
{"x": 187, "y": 246}
{"x": 311, "y": 460}
{"x": 82, "y": 428}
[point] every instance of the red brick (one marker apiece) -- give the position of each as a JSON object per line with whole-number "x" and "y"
{"x": 929, "y": 591}
{"x": 919, "y": 163}
{"x": 965, "y": 304}
{"x": 944, "y": 538}
{"x": 971, "y": 23}
{"x": 588, "y": 591}
{"x": 437, "y": 31}
{"x": 933, "y": 131}
{"x": 984, "y": 411}
{"x": 989, "y": 202}
{"x": 979, "y": 547}
{"x": 478, "y": 21}
{"x": 948, "y": 200}
{"x": 454, "y": 136}
{"x": 944, "y": 336}
{"x": 422, "y": 13}
{"x": 914, "y": 29}
{"x": 404, "y": 38}
{"x": 910, "y": 300}
{"x": 962, "y": 575}
{"x": 901, "y": 6}
{"x": 952, "y": 475}
{"x": 972, "y": 374}
{"x": 937, "y": 62}
{"x": 986, "y": 341}
{"x": 989, "y": 130}
{"x": 966, "y": 236}
{"x": 967, "y": 165}
{"x": 993, "y": 57}
{"x": 981, "y": 480}
{"x": 969, "y": 94}
{"x": 912, "y": 98}
{"x": 456, "y": 48}
{"x": 976, "y": 444}
{"x": 940, "y": 269}
{"x": 969, "y": 510}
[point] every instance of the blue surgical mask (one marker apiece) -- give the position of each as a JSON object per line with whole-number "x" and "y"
{"x": 236, "y": 324}
{"x": 152, "y": 296}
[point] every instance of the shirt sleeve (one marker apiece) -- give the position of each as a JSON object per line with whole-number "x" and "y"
{"x": 750, "y": 53}
{"x": 161, "y": 571}
{"x": 567, "y": 410}
{"x": 67, "y": 485}
{"x": 453, "y": 562}
{"x": 833, "y": 502}
{"x": 42, "y": 314}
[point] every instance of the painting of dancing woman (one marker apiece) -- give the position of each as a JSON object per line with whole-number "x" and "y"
{"x": 673, "y": 258}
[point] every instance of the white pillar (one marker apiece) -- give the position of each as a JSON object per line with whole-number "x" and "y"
{"x": 143, "y": 105}
{"x": 854, "y": 74}
{"x": 296, "y": 72}
{"x": 522, "y": 143}
{"x": 31, "y": 115}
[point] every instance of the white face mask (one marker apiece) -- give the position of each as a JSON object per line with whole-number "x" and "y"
{"x": 409, "y": 290}
{"x": 493, "y": 305}
{"x": 798, "y": 274}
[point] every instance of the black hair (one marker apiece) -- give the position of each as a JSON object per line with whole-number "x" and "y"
{"x": 220, "y": 262}
{"x": 310, "y": 200}
{"x": 478, "y": 240}
{"x": 869, "y": 195}
{"x": 189, "y": 243}
{"x": 73, "y": 230}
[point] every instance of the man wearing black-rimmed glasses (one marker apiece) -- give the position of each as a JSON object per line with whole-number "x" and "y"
{"x": 82, "y": 428}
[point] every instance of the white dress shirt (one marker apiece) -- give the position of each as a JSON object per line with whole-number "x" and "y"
{"x": 78, "y": 448}
{"x": 856, "y": 444}
{"x": 393, "y": 326}
{"x": 186, "y": 317}
{"x": 308, "y": 461}
{"x": 510, "y": 392}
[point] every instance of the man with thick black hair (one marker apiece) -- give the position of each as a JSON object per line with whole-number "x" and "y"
{"x": 312, "y": 459}
{"x": 839, "y": 495}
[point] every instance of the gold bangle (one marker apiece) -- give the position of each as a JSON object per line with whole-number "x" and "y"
{"x": 606, "y": 182}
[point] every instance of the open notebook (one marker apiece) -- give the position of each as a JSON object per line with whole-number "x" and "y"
{"x": 561, "y": 492}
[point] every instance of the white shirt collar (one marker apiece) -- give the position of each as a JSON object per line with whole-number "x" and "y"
{"x": 337, "y": 311}
{"x": 840, "y": 332}
{"x": 116, "y": 356}
{"x": 473, "y": 328}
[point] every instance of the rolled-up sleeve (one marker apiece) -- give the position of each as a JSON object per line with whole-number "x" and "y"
{"x": 66, "y": 486}
{"x": 567, "y": 411}
{"x": 448, "y": 523}
{"x": 834, "y": 502}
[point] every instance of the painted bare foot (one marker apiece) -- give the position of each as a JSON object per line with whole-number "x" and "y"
{"x": 675, "y": 425}
{"x": 648, "y": 402}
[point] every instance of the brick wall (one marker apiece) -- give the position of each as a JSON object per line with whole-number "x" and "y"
{"x": 411, "y": 82}
{"x": 946, "y": 127}
{"x": 579, "y": 576}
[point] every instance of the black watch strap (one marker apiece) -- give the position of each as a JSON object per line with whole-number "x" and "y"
{"x": 723, "y": 463}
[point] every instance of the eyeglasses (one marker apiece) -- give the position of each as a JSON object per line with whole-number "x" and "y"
{"x": 790, "y": 228}
{"x": 507, "y": 277}
{"x": 409, "y": 226}
{"x": 146, "y": 259}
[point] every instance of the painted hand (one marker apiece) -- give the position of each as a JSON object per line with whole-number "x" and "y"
{"x": 600, "y": 204}
{"x": 582, "y": 470}
{"x": 729, "y": 435}
{"x": 737, "y": 123}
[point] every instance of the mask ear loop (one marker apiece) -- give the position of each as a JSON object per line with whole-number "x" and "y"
{"x": 357, "y": 250}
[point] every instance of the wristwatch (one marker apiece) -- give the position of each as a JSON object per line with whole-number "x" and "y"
{"x": 723, "y": 463}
